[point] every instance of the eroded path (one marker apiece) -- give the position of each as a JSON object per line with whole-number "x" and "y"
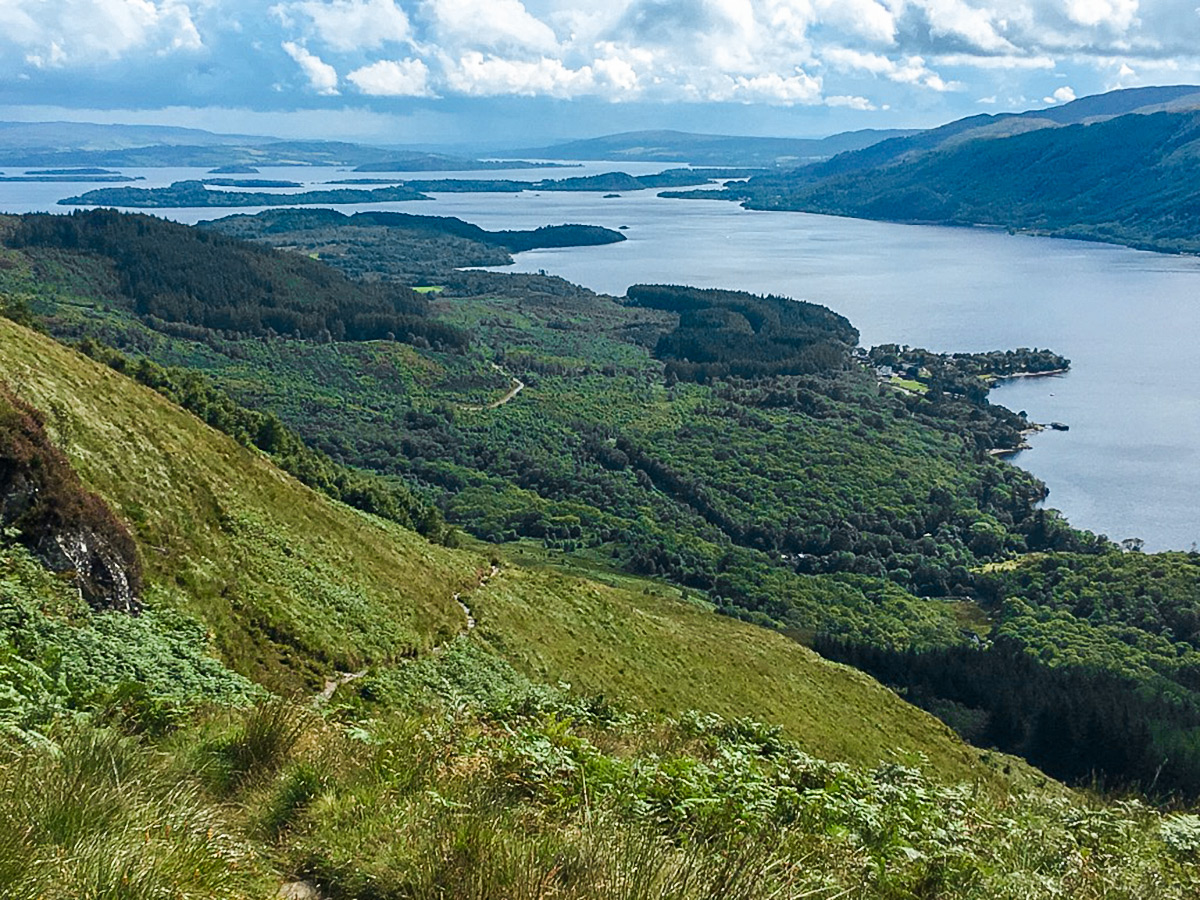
{"x": 340, "y": 678}
{"x": 303, "y": 890}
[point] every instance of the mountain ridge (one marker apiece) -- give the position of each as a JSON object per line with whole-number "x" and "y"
{"x": 1125, "y": 177}
{"x": 709, "y": 149}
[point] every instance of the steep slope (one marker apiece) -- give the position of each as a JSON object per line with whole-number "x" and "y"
{"x": 291, "y": 584}
{"x": 648, "y": 649}
{"x": 1129, "y": 179}
{"x": 1085, "y": 110}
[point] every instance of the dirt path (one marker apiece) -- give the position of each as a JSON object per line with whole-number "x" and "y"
{"x": 331, "y": 686}
{"x": 336, "y": 682}
{"x": 303, "y": 890}
{"x": 518, "y": 386}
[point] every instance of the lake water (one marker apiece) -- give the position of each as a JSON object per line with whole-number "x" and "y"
{"x": 1129, "y": 320}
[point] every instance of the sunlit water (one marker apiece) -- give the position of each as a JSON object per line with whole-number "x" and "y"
{"x": 1129, "y": 320}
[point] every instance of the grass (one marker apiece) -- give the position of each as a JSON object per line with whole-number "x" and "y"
{"x": 490, "y": 785}
{"x": 641, "y": 645}
{"x": 290, "y": 584}
{"x": 103, "y": 818}
{"x": 487, "y": 785}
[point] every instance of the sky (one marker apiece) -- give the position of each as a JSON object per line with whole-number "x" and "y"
{"x": 524, "y": 72}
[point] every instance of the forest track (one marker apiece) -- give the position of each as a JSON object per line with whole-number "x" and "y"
{"x": 518, "y": 386}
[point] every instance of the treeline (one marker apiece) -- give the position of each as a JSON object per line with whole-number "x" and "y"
{"x": 1091, "y": 669}
{"x": 399, "y": 246}
{"x": 386, "y": 497}
{"x": 174, "y": 273}
{"x": 608, "y": 181}
{"x": 195, "y": 193}
{"x": 274, "y": 222}
{"x": 1153, "y": 593}
{"x": 724, "y": 333}
{"x": 1075, "y": 723}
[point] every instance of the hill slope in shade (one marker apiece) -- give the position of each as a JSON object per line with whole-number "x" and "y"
{"x": 1129, "y": 179}
{"x": 1085, "y": 110}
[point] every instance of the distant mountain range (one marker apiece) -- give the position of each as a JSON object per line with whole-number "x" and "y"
{"x": 85, "y": 144}
{"x": 88, "y": 137}
{"x": 1120, "y": 167}
{"x": 711, "y": 149}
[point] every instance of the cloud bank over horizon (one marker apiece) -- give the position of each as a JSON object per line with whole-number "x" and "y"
{"x": 828, "y": 63}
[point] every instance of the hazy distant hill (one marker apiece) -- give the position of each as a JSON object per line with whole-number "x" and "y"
{"x": 88, "y": 136}
{"x": 711, "y": 149}
{"x": 88, "y": 144}
{"x": 1119, "y": 167}
{"x": 1082, "y": 111}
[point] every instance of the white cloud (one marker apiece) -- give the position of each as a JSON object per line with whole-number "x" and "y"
{"x": 847, "y": 59}
{"x": 492, "y": 24}
{"x": 81, "y": 31}
{"x": 345, "y": 25}
{"x": 899, "y": 53}
{"x": 799, "y": 87}
{"x": 975, "y": 25}
{"x": 618, "y": 73}
{"x": 866, "y": 18}
{"x": 476, "y": 75}
{"x": 1063, "y": 94}
{"x": 1003, "y": 61}
{"x": 849, "y": 102}
{"x": 909, "y": 70}
{"x": 322, "y": 77}
{"x": 392, "y": 78}
{"x": 1115, "y": 14}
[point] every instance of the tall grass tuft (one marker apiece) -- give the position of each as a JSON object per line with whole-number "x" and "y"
{"x": 101, "y": 819}
{"x": 267, "y": 735}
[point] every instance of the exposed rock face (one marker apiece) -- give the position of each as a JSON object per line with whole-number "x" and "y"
{"x": 69, "y": 528}
{"x": 102, "y": 576}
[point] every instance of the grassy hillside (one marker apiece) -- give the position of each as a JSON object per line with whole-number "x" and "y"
{"x": 642, "y": 646}
{"x": 291, "y": 584}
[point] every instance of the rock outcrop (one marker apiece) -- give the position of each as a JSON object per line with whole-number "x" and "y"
{"x": 45, "y": 506}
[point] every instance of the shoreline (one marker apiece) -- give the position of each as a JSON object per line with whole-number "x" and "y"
{"x": 1045, "y": 374}
{"x": 1064, "y": 234}
{"x": 1034, "y": 428}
